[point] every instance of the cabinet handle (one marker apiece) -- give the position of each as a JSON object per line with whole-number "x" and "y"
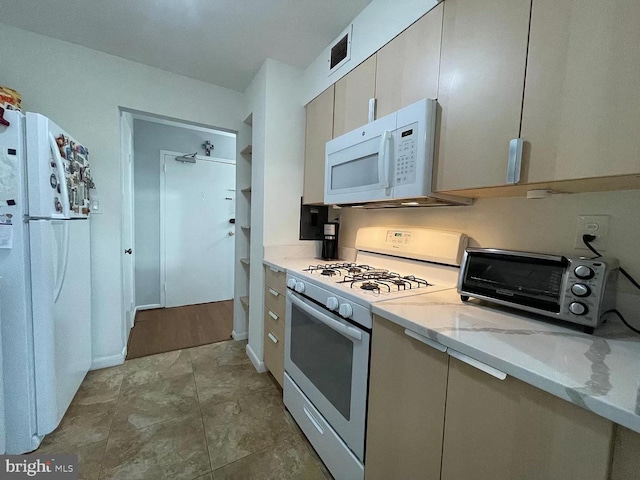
{"x": 425, "y": 340}
{"x": 494, "y": 372}
{"x": 274, "y": 270}
{"x": 272, "y": 337}
{"x": 313, "y": 420}
{"x": 273, "y": 292}
{"x": 372, "y": 109}
{"x": 273, "y": 315}
{"x": 515, "y": 161}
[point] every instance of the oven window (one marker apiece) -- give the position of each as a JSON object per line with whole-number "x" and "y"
{"x": 325, "y": 357}
{"x": 355, "y": 173}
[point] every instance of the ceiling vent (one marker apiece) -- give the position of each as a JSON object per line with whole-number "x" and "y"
{"x": 340, "y": 52}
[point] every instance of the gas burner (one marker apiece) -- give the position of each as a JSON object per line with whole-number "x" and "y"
{"x": 370, "y": 286}
{"x": 328, "y": 272}
{"x": 354, "y": 270}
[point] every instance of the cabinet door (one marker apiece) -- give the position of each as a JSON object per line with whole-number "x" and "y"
{"x": 484, "y": 51}
{"x": 407, "y": 67}
{"x": 582, "y": 102}
{"x": 318, "y": 131}
{"x": 507, "y": 429}
{"x": 407, "y": 390}
{"x": 353, "y": 92}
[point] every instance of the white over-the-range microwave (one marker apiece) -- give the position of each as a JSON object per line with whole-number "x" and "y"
{"x": 388, "y": 162}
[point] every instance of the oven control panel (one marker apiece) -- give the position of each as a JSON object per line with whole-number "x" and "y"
{"x": 398, "y": 237}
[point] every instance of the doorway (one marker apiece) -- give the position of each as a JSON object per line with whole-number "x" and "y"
{"x": 197, "y": 225}
{"x": 181, "y": 178}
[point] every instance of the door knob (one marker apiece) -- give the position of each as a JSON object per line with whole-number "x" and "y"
{"x": 129, "y": 251}
{"x": 231, "y": 234}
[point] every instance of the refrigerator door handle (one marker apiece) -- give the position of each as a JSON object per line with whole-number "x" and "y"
{"x": 62, "y": 178}
{"x": 65, "y": 261}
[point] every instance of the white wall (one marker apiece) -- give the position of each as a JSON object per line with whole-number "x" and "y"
{"x": 149, "y": 138}
{"x": 82, "y": 90}
{"x": 375, "y": 26}
{"x": 274, "y": 96}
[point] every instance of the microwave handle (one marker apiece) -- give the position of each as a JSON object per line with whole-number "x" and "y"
{"x": 385, "y": 154}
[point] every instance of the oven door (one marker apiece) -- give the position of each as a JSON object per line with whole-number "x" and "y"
{"x": 328, "y": 358}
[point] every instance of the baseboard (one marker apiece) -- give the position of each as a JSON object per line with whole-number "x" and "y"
{"x": 239, "y": 336}
{"x": 147, "y": 307}
{"x": 112, "y": 361}
{"x": 258, "y": 365}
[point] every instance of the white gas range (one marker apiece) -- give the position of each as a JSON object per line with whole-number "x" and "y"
{"x": 328, "y": 331}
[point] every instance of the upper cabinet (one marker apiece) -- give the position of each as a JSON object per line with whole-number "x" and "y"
{"x": 407, "y": 67}
{"x": 353, "y": 92}
{"x": 319, "y": 130}
{"x": 582, "y": 102}
{"x": 482, "y": 70}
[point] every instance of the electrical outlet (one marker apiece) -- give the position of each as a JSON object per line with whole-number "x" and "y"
{"x": 597, "y": 225}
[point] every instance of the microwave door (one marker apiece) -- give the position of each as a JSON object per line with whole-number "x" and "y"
{"x": 358, "y": 164}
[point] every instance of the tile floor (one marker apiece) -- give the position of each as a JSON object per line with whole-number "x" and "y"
{"x": 202, "y": 413}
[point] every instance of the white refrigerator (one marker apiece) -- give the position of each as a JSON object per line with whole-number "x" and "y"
{"x": 45, "y": 275}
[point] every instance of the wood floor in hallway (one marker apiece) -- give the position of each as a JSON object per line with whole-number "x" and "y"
{"x": 167, "y": 329}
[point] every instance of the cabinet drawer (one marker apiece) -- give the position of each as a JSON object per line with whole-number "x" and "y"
{"x": 274, "y": 301}
{"x": 275, "y": 280}
{"x": 274, "y": 322}
{"x": 274, "y": 354}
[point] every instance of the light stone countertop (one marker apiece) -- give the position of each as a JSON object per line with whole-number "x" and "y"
{"x": 599, "y": 372}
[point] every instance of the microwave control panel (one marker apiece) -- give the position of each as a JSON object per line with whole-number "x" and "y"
{"x": 406, "y": 154}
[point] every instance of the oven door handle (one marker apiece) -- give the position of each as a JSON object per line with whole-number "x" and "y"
{"x": 350, "y": 332}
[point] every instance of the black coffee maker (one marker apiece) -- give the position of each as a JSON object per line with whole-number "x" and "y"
{"x": 330, "y": 241}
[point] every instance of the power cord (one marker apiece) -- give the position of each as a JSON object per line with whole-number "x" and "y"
{"x": 587, "y": 239}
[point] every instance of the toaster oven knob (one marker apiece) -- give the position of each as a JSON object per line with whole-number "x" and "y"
{"x": 299, "y": 287}
{"x": 291, "y": 283}
{"x": 345, "y": 310}
{"x": 582, "y": 271}
{"x": 577, "y": 308}
{"x": 332, "y": 303}
{"x": 580, "y": 290}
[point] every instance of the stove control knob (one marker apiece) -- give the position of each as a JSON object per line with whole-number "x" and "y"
{"x": 291, "y": 283}
{"x": 332, "y": 303}
{"x": 578, "y": 308}
{"x": 580, "y": 290}
{"x": 345, "y": 310}
{"x": 582, "y": 271}
{"x": 299, "y": 287}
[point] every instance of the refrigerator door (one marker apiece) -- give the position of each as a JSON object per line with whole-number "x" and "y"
{"x": 58, "y": 169}
{"x": 61, "y": 302}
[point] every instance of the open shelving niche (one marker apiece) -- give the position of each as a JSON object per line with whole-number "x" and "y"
{"x": 243, "y": 220}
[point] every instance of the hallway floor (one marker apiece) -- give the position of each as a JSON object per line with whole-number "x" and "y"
{"x": 201, "y": 413}
{"x": 167, "y": 329}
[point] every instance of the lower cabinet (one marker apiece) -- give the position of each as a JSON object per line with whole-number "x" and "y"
{"x": 274, "y": 300}
{"x": 507, "y": 429}
{"x": 432, "y": 416}
{"x": 407, "y": 391}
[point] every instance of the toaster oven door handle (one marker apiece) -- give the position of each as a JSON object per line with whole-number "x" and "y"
{"x": 350, "y": 332}
{"x": 494, "y": 372}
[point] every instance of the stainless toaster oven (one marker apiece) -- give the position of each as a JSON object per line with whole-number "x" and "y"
{"x": 573, "y": 289}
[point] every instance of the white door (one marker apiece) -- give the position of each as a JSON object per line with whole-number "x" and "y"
{"x": 199, "y": 201}
{"x": 128, "y": 278}
{"x": 61, "y": 303}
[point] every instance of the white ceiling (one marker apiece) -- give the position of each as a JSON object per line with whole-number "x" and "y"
{"x": 223, "y": 42}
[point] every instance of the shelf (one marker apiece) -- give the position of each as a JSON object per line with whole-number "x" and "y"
{"x": 249, "y": 119}
{"x": 245, "y": 301}
{"x": 246, "y": 190}
{"x": 248, "y": 150}
{"x": 245, "y": 261}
